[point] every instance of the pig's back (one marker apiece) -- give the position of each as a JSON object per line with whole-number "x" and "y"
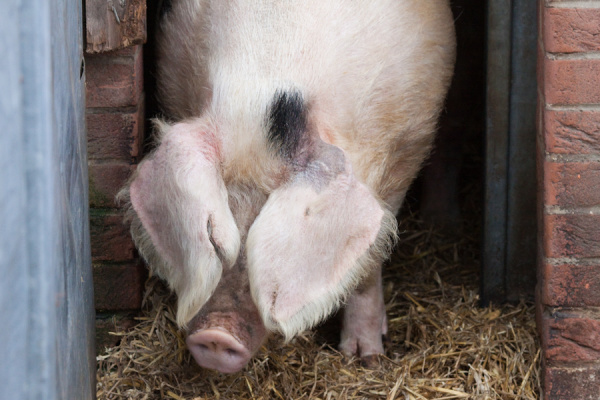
{"x": 372, "y": 73}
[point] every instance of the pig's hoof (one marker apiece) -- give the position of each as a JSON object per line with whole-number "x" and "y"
{"x": 369, "y": 352}
{"x": 372, "y": 361}
{"x": 361, "y": 346}
{"x": 217, "y": 349}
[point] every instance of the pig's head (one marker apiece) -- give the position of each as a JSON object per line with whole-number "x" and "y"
{"x": 303, "y": 248}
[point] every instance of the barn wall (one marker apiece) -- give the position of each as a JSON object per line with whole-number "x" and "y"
{"x": 115, "y": 120}
{"x": 569, "y": 204}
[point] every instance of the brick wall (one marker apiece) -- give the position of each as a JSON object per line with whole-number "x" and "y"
{"x": 115, "y": 122}
{"x": 569, "y": 169}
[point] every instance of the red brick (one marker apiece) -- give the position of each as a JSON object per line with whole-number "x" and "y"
{"x": 571, "y": 235}
{"x": 105, "y": 181}
{"x": 119, "y": 286}
{"x": 570, "y": 337}
{"x": 568, "y": 30}
{"x": 581, "y": 383}
{"x": 568, "y": 285}
{"x": 569, "y": 82}
{"x": 116, "y": 135}
{"x": 114, "y": 79}
{"x": 110, "y": 238}
{"x": 572, "y": 184}
{"x": 572, "y": 132}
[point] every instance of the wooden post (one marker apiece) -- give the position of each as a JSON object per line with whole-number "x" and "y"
{"x": 114, "y": 24}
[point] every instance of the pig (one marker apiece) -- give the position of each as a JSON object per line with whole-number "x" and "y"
{"x": 291, "y": 133}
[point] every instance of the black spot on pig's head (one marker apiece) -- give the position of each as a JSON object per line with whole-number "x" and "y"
{"x": 286, "y": 122}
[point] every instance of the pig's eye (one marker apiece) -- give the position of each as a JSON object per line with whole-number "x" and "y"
{"x": 218, "y": 250}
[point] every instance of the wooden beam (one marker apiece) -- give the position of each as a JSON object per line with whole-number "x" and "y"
{"x": 114, "y": 24}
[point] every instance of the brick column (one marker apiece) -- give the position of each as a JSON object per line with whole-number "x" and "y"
{"x": 569, "y": 179}
{"x": 115, "y": 122}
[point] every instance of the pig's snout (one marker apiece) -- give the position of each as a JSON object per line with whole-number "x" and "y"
{"x": 225, "y": 341}
{"x": 215, "y": 348}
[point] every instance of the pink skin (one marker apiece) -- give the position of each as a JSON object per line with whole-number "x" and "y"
{"x": 216, "y": 348}
{"x": 365, "y": 322}
{"x": 228, "y": 331}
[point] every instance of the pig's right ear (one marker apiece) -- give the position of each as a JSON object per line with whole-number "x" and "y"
{"x": 181, "y": 221}
{"x": 315, "y": 239}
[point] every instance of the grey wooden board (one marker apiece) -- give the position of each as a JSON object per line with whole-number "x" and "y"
{"x": 46, "y": 299}
{"x": 509, "y": 249}
{"x": 13, "y": 250}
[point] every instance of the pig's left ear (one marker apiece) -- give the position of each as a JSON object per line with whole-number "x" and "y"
{"x": 181, "y": 221}
{"x": 313, "y": 241}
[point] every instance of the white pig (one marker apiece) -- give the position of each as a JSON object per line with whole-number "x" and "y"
{"x": 293, "y": 130}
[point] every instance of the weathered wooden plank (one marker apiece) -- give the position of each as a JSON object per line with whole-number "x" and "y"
{"x": 14, "y": 257}
{"x": 46, "y": 298}
{"x": 114, "y": 24}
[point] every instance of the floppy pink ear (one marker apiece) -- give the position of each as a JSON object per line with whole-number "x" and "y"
{"x": 185, "y": 228}
{"x": 313, "y": 241}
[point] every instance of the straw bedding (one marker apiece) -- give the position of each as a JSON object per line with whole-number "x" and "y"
{"x": 441, "y": 344}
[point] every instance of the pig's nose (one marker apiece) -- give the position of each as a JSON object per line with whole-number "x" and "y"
{"x": 215, "y": 348}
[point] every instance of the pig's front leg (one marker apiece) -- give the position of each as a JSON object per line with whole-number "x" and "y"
{"x": 365, "y": 322}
